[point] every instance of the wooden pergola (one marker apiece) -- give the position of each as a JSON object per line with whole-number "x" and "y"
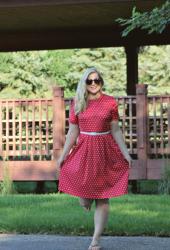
{"x": 64, "y": 24}
{"x": 54, "y": 24}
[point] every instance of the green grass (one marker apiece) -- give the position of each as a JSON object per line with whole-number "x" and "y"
{"x": 61, "y": 214}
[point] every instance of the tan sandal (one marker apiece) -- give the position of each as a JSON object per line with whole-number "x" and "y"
{"x": 95, "y": 247}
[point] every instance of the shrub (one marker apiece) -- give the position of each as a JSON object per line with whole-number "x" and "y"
{"x": 164, "y": 185}
{"x": 7, "y": 185}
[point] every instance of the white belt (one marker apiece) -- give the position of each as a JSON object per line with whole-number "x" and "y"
{"x": 95, "y": 133}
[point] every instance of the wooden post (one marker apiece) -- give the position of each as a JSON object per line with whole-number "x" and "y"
{"x": 131, "y": 75}
{"x": 142, "y": 133}
{"x": 58, "y": 121}
{"x": 1, "y": 155}
{"x": 132, "y": 79}
{"x": 168, "y": 152}
{"x": 131, "y": 68}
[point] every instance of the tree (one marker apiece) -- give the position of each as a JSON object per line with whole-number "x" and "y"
{"x": 153, "y": 21}
{"x": 154, "y": 69}
{"x": 24, "y": 74}
{"x": 32, "y": 74}
{"x": 59, "y": 68}
{"x": 111, "y": 62}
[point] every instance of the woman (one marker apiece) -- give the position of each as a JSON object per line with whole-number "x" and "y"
{"x": 95, "y": 161}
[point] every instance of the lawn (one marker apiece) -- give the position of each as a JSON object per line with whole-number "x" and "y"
{"x": 61, "y": 214}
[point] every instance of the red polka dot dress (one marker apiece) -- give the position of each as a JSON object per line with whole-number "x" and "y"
{"x": 95, "y": 168}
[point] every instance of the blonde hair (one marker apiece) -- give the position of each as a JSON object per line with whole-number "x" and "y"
{"x": 81, "y": 92}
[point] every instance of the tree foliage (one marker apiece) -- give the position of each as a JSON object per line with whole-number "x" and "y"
{"x": 154, "y": 69}
{"x": 109, "y": 61}
{"x": 33, "y": 74}
{"x": 24, "y": 73}
{"x": 153, "y": 21}
{"x": 60, "y": 67}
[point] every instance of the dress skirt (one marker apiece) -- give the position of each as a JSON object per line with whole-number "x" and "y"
{"x": 95, "y": 168}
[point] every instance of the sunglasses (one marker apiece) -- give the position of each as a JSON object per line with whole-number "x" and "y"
{"x": 90, "y": 81}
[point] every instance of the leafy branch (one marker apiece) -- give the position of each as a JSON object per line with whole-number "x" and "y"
{"x": 153, "y": 21}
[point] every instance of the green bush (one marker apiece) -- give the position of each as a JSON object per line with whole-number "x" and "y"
{"x": 164, "y": 186}
{"x": 6, "y": 186}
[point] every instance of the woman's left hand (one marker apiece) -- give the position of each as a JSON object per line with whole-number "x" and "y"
{"x": 129, "y": 160}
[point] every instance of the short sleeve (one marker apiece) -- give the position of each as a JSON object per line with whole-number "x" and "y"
{"x": 115, "y": 112}
{"x": 73, "y": 118}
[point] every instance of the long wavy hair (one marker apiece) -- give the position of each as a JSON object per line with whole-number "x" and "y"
{"x": 81, "y": 92}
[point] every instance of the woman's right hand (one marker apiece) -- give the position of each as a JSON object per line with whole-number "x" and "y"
{"x": 60, "y": 161}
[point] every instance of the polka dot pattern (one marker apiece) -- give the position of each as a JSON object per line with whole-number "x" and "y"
{"x": 95, "y": 168}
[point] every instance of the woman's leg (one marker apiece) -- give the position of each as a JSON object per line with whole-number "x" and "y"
{"x": 100, "y": 220}
{"x": 86, "y": 203}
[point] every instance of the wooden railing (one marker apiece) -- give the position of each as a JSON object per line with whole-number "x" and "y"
{"x": 32, "y": 136}
{"x": 26, "y": 127}
{"x": 32, "y": 133}
{"x": 158, "y": 126}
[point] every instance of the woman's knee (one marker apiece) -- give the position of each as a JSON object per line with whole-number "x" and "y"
{"x": 102, "y": 202}
{"x": 84, "y": 202}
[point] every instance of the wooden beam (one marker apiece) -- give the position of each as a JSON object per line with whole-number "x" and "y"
{"x": 136, "y": 171}
{"x": 30, "y": 170}
{"x": 46, "y": 170}
{"x": 77, "y": 38}
{"x": 156, "y": 168}
{"x": 20, "y": 3}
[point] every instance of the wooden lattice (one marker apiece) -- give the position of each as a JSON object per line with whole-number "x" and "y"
{"x": 159, "y": 126}
{"x": 26, "y": 129}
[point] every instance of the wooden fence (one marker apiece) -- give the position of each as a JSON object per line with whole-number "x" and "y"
{"x": 32, "y": 134}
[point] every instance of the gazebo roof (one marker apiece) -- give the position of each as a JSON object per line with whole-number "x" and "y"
{"x": 54, "y": 24}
